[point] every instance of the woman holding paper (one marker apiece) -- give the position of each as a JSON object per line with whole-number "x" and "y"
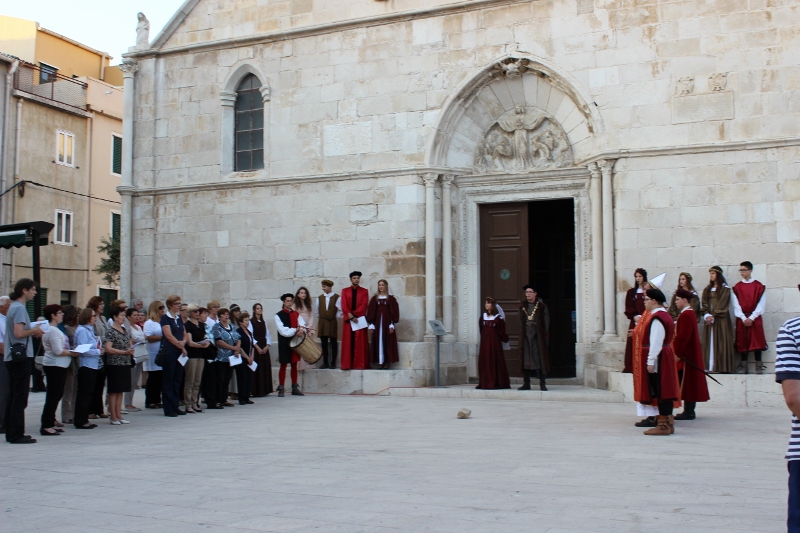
{"x": 89, "y": 361}
{"x": 228, "y": 347}
{"x": 197, "y": 350}
{"x": 243, "y": 371}
{"x": 57, "y": 359}
{"x": 119, "y": 354}
{"x": 174, "y": 344}
{"x": 139, "y": 353}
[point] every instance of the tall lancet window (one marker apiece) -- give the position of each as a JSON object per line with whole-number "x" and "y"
{"x": 249, "y": 125}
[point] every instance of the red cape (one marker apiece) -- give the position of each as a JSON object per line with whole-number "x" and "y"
{"x": 667, "y": 371}
{"x": 751, "y": 338}
{"x": 686, "y": 344}
{"x": 354, "y": 356}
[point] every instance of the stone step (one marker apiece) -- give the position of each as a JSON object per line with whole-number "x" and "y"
{"x": 556, "y": 393}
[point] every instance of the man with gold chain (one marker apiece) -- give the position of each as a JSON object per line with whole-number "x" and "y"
{"x": 534, "y": 336}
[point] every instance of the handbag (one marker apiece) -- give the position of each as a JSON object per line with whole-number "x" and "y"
{"x": 19, "y": 351}
{"x": 160, "y": 355}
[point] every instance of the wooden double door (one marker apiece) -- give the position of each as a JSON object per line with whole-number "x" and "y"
{"x": 532, "y": 242}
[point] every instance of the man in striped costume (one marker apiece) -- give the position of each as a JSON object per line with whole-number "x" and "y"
{"x": 787, "y": 373}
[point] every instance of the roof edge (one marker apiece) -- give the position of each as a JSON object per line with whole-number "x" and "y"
{"x": 173, "y": 24}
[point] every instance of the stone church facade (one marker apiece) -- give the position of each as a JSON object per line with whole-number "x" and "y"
{"x": 431, "y": 142}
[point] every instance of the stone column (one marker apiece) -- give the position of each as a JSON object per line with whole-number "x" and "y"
{"x": 609, "y": 272}
{"x": 447, "y": 255}
{"x": 595, "y": 198}
{"x": 129, "y": 69}
{"x": 430, "y": 247}
{"x": 228, "y": 125}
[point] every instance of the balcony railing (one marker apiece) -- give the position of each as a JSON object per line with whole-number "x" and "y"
{"x": 51, "y": 86}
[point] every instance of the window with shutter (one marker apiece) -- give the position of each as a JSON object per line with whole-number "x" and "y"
{"x": 116, "y": 154}
{"x": 42, "y": 295}
{"x": 116, "y": 225}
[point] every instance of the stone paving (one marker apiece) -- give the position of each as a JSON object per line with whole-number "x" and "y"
{"x": 385, "y": 463}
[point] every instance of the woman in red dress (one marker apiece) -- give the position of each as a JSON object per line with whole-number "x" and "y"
{"x": 492, "y": 371}
{"x": 634, "y": 307}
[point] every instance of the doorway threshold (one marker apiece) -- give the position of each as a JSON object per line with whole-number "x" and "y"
{"x": 556, "y": 393}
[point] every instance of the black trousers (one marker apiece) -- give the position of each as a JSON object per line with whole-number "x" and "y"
{"x": 19, "y": 383}
{"x": 171, "y": 381}
{"x": 4, "y": 392}
{"x": 793, "y": 521}
{"x": 84, "y": 395}
{"x": 756, "y": 354}
{"x": 665, "y": 407}
{"x": 208, "y": 383}
{"x": 226, "y": 387}
{"x": 332, "y": 344}
{"x": 152, "y": 389}
{"x": 56, "y": 379}
{"x": 243, "y": 377}
{"x": 96, "y": 406}
{"x": 221, "y": 381}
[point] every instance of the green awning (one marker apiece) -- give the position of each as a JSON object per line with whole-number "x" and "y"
{"x": 15, "y": 238}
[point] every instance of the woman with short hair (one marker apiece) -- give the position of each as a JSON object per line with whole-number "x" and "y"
{"x": 57, "y": 359}
{"x": 174, "y": 346}
{"x": 196, "y": 349}
{"x": 119, "y": 355}
{"x": 153, "y": 335}
{"x": 96, "y": 409}
{"x": 89, "y": 361}
{"x": 139, "y": 347}
{"x": 228, "y": 344}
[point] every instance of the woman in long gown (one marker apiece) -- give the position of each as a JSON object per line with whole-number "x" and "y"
{"x": 305, "y": 308}
{"x": 492, "y": 370}
{"x": 634, "y": 307}
{"x": 382, "y": 314}
{"x": 262, "y": 377}
{"x": 718, "y": 333}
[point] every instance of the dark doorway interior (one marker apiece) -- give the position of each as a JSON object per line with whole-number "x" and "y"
{"x": 552, "y": 271}
{"x": 532, "y": 242}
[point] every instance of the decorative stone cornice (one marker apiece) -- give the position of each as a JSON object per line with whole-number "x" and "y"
{"x": 227, "y": 98}
{"x": 129, "y": 67}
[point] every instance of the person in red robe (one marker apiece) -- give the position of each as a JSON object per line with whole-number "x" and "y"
{"x": 492, "y": 370}
{"x": 662, "y": 385}
{"x": 355, "y": 342}
{"x": 749, "y": 302}
{"x": 686, "y": 345}
{"x": 382, "y": 314}
{"x": 634, "y": 306}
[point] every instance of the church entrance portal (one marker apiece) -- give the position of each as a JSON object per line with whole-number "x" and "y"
{"x": 532, "y": 242}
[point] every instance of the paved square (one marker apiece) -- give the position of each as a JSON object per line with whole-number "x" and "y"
{"x": 374, "y": 464}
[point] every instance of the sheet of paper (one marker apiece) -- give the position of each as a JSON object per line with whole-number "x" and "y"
{"x": 44, "y": 325}
{"x": 235, "y": 360}
{"x": 204, "y": 342}
{"x": 82, "y": 348}
{"x": 252, "y": 366}
{"x": 360, "y": 323}
{"x": 183, "y": 359}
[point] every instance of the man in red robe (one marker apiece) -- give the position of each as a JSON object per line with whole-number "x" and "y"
{"x": 749, "y": 301}
{"x": 686, "y": 346}
{"x": 355, "y": 342}
{"x": 661, "y": 380}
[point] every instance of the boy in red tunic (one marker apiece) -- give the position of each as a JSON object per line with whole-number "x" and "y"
{"x": 662, "y": 375}
{"x": 355, "y": 343}
{"x": 686, "y": 346}
{"x": 749, "y": 301}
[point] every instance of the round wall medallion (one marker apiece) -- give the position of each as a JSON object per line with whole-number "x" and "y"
{"x": 505, "y": 274}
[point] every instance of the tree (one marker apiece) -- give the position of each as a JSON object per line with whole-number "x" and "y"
{"x": 109, "y": 264}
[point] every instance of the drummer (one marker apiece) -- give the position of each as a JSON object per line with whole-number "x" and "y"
{"x": 288, "y": 323}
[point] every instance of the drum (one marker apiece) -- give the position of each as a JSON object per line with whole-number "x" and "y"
{"x": 306, "y": 348}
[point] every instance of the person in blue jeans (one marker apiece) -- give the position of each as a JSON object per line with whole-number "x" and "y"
{"x": 787, "y": 373}
{"x": 174, "y": 346}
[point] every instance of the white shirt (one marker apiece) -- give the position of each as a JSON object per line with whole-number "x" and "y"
{"x": 210, "y": 322}
{"x": 487, "y": 317}
{"x": 657, "y": 334}
{"x": 328, "y": 299}
{"x": 283, "y": 331}
{"x": 759, "y": 310}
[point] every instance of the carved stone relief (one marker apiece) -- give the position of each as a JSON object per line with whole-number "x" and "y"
{"x": 523, "y": 139}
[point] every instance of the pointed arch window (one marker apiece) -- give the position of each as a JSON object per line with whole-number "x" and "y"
{"x": 249, "y": 143}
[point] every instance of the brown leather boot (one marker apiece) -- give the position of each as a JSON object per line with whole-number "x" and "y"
{"x": 671, "y": 422}
{"x": 662, "y": 428}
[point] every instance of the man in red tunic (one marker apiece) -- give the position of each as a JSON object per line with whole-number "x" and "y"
{"x": 355, "y": 343}
{"x": 749, "y": 301}
{"x": 661, "y": 380}
{"x": 686, "y": 346}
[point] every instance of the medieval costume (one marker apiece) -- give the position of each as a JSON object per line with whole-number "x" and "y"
{"x": 492, "y": 370}
{"x": 382, "y": 314}
{"x": 749, "y": 301}
{"x": 686, "y": 345}
{"x": 661, "y": 387}
{"x": 534, "y": 320}
{"x": 287, "y": 322}
{"x": 639, "y": 371}
{"x": 261, "y": 384}
{"x": 328, "y": 312}
{"x": 634, "y": 306}
{"x": 355, "y": 343}
{"x": 694, "y": 303}
{"x": 717, "y": 336}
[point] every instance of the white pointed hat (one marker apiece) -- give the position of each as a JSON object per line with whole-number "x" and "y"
{"x": 658, "y": 281}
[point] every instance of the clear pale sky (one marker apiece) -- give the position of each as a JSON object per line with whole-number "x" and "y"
{"x": 105, "y": 25}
